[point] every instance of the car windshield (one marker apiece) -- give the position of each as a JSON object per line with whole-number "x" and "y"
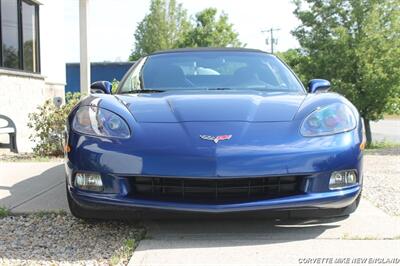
{"x": 210, "y": 70}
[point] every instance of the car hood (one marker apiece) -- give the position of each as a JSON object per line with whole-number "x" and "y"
{"x": 212, "y": 106}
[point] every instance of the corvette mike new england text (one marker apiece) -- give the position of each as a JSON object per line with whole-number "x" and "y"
{"x": 350, "y": 260}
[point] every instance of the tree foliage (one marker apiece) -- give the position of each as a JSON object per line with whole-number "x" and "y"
{"x": 356, "y": 45}
{"x": 296, "y": 60}
{"x": 167, "y": 26}
{"x": 210, "y": 31}
{"x": 163, "y": 28}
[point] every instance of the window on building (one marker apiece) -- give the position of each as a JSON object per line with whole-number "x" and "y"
{"x": 19, "y": 35}
{"x": 9, "y": 30}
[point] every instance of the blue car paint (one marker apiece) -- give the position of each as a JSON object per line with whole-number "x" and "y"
{"x": 165, "y": 142}
{"x": 318, "y": 84}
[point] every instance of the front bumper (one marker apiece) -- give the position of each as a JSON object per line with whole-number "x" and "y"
{"x": 323, "y": 200}
{"x": 279, "y": 153}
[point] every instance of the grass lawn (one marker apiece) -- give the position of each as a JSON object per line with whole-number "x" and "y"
{"x": 383, "y": 145}
{"x": 4, "y": 212}
{"x": 392, "y": 117}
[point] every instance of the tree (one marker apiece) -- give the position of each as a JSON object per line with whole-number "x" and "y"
{"x": 211, "y": 32}
{"x": 296, "y": 60}
{"x": 163, "y": 28}
{"x": 356, "y": 45}
{"x": 10, "y": 56}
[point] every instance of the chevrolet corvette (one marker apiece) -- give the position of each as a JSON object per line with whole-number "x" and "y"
{"x": 213, "y": 130}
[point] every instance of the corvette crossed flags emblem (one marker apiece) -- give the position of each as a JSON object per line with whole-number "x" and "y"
{"x": 216, "y": 139}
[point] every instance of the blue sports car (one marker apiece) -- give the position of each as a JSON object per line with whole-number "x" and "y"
{"x": 213, "y": 131}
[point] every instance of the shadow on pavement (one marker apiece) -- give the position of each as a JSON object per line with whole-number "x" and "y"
{"x": 40, "y": 192}
{"x": 228, "y": 229}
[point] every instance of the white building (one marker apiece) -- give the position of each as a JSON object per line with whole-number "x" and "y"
{"x": 32, "y": 64}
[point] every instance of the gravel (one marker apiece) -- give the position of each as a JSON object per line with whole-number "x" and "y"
{"x": 60, "y": 239}
{"x": 382, "y": 179}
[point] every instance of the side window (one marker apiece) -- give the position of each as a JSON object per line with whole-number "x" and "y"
{"x": 282, "y": 76}
{"x": 133, "y": 81}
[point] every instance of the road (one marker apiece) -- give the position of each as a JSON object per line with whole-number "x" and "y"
{"x": 386, "y": 130}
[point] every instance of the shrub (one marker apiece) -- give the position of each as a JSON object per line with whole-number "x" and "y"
{"x": 114, "y": 85}
{"x": 48, "y": 124}
{"x": 4, "y": 212}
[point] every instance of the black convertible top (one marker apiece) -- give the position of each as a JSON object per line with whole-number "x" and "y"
{"x": 212, "y": 49}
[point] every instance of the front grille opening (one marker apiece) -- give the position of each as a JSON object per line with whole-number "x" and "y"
{"x": 215, "y": 190}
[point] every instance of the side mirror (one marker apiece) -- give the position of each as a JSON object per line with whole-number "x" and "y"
{"x": 101, "y": 87}
{"x": 318, "y": 85}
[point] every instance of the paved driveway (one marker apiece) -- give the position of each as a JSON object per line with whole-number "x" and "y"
{"x": 262, "y": 241}
{"x": 32, "y": 186}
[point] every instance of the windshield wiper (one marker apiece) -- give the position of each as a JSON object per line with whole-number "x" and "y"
{"x": 141, "y": 91}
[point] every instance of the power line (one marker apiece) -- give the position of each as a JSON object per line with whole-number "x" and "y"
{"x": 271, "y": 40}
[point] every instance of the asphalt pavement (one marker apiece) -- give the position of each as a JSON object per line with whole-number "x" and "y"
{"x": 388, "y": 130}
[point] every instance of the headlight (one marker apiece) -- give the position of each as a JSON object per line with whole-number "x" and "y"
{"x": 329, "y": 120}
{"x": 92, "y": 120}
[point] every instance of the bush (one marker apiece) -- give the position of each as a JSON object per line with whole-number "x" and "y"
{"x": 48, "y": 124}
{"x": 114, "y": 85}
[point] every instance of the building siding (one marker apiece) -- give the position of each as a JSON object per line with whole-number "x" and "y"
{"x": 99, "y": 71}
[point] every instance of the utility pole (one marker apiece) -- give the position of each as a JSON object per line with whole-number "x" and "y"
{"x": 271, "y": 40}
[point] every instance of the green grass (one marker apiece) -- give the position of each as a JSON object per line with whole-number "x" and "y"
{"x": 395, "y": 117}
{"x": 346, "y": 236}
{"x": 4, "y": 212}
{"x": 123, "y": 255}
{"x": 385, "y": 144}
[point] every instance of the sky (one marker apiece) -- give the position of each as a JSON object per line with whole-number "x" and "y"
{"x": 112, "y": 24}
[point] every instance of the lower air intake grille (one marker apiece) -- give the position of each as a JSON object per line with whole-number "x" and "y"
{"x": 215, "y": 190}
